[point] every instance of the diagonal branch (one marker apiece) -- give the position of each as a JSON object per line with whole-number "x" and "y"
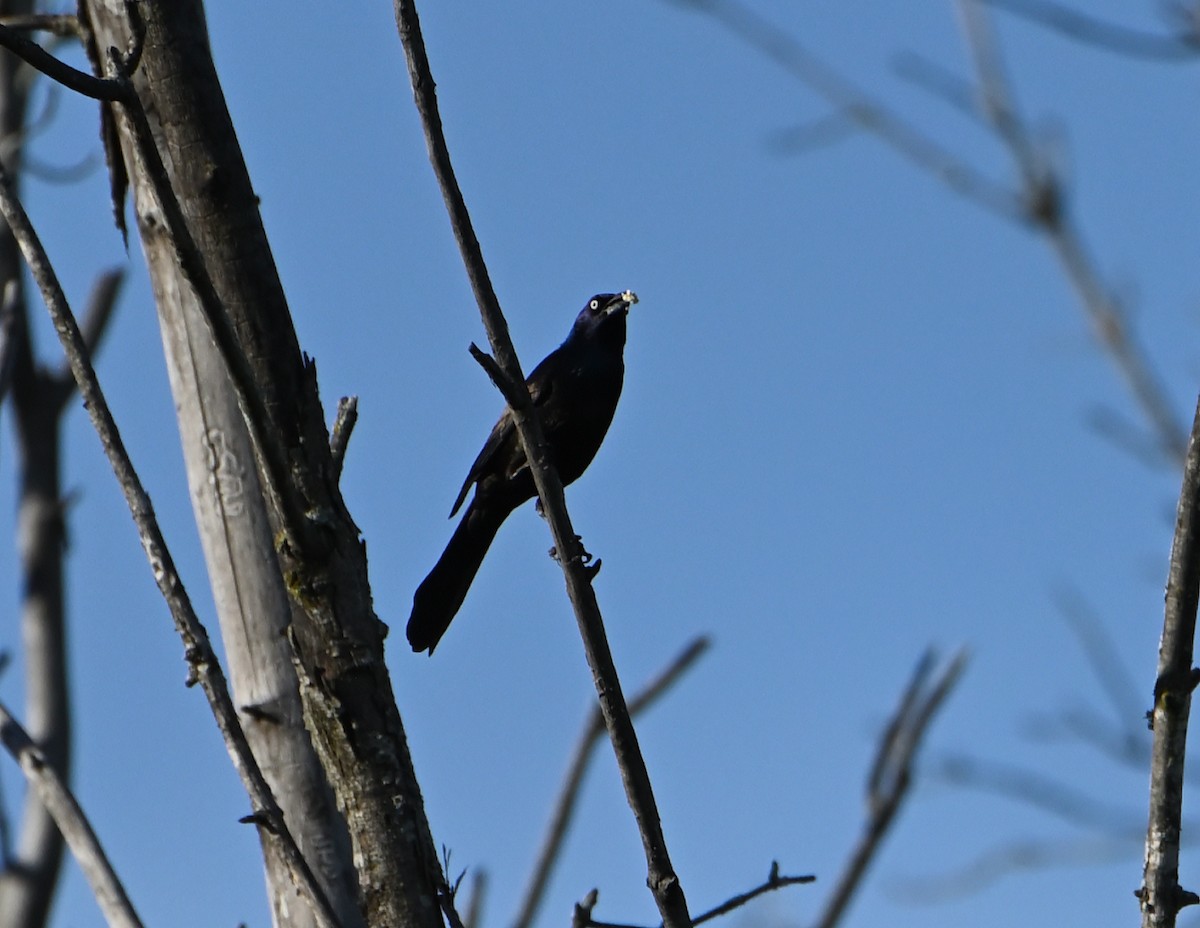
{"x": 891, "y": 775}
{"x": 68, "y": 816}
{"x": 564, "y": 808}
{"x": 1039, "y": 202}
{"x": 71, "y": 78}
{"x": 774, "y": 881}
{"x": 663, "y": 883}
{"x": 1184, "y": 45}
{"x": 855, "y": 104}
{"x": 1045, "y": 208}
{"x": 202, "y": 660}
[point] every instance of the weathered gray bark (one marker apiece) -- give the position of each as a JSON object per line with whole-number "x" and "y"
{"x": 346, "y": 694}
{"x": 251, "y": 602}
{"x": 27, "y": 884}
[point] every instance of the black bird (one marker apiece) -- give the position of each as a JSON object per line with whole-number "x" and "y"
{"x": 575, "y": 391}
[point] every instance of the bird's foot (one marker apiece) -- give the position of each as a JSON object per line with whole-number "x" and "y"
{"x": 582, "y": 555}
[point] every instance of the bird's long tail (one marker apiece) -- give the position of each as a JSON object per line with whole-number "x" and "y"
{"x": 440, "y": 594}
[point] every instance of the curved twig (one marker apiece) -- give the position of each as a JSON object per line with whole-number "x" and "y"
{"x": 97, "y": 88}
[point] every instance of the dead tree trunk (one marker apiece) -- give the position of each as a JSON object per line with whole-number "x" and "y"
{"x": 302, "y": 544}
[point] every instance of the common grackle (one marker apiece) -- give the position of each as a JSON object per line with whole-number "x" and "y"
{"x": 575, "y": 392}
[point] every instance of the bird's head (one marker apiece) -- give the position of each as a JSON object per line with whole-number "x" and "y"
{"x": 603, "y": 317}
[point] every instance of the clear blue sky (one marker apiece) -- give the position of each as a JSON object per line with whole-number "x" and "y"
{"x": 854, "y": 425}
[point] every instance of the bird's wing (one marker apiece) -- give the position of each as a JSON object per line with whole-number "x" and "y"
{"x": 500, "y": 431}
{"x": 541, "y": 386}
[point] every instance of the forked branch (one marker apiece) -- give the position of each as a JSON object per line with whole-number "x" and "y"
{"x": 891, "y": 774}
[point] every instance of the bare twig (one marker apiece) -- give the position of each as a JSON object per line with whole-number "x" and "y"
{"x": 101, "y": 302}
{"x": 583, "y": 911}
{"x": 1060, "y": 799}
{"x": 1040, "y": 201}
{"x": 854, "y": 103}
{"x": 1161, "y": 895}
{"x": 564, "y": 808}
{"x": 71, "y": 78}
{"x": 662, "y": 880}
{"x": 8, "y": 332}
{"x": 61, "y": 25}
{"x": 1109, "y": 670}
{"x": 54, "y": 795}
{"x": 1182, "y": 46}
{"x": 339, "y": 436}
{"x": 474, "y": 910}
{"x": 891, "y": 774}
{"x": 1045, "y": 208}
{"x": 773, "y": 882}
{"x": 198, "y": 649}
{"x": 977, "y": 874}
{"x": 1124, "y": 746}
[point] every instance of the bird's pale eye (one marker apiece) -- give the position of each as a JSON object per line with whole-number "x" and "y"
{"x": 595, "y": 304}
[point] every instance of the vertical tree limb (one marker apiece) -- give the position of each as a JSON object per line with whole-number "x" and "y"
{"x": 1161, "y": 895}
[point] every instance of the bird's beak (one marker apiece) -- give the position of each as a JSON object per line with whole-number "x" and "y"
{"x": 621, "y": 303}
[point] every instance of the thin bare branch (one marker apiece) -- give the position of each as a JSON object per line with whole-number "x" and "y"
{"x": 61, "y": 25}
{"x": 339, "y": 436}
{"x": 474, "y": 909}
{"x": 852, "y": 102}
{"x": 9, "y": 304}
{"x": 1040, "y": 201}
{"x": 817, "y": 133}
{"x": 564, "y": 807}
{"x": 1090, "y": 30}
{"x": 198, "y": 649}
{"x": 71, "y": 78}
{"x": 1161, "y": 895}
{"x": 583, "y": 911}
{"x": 68, "y": 816}
{"x": 977, "y": 874}
{"x": 1128, "y": 436}
{"x": 773, "y": 882}
{"x": 1062, "y": 800}
{"x": 662, "y": 880}
{"x": 1124, "y": 746}
{"x": 101, "y": 303}
{"x": 891, "y": 774}
{"x": 1045, "y": 208}
{"x": 1104, "y": 659}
